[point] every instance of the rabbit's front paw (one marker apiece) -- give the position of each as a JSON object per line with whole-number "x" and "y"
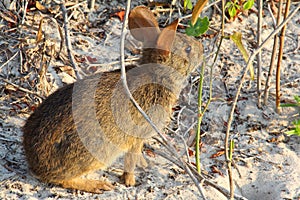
{"x": 128, "y": 178}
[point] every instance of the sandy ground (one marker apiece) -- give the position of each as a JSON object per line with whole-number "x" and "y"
{"x": 266, "y": 158}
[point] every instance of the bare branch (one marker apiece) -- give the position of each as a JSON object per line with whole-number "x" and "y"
{"x": 259, "y": 28}
{"x": 78, "y": 71}
{"x": 244, "y": 73}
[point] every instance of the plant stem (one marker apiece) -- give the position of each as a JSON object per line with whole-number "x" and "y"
{"x": 271, "y": 67}
{"x": 282, "y": 35}
{"x": 259, "y": 27}
{"x": 251, "y": 58}
{"x": 200, "y": 117}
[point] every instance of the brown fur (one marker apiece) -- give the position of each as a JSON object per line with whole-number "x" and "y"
{"x": 85, "y": 126}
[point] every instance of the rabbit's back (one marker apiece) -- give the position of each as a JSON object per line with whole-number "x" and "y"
{"x": 63, "y": 135}
{"x": 85, "y": 126}
{"x": 52, "y": 146}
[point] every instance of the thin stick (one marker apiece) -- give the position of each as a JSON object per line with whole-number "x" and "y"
{"x": 200, "y": 117}
{"x": 22, "y": 89}
{"x": 271, "y": 67}
{"x": 255, "y": 52}
{"x": 10, "y": 59}
{"x": 111, "y": 63}
{"x": 24, "y": 11}
{"x": 124, "y": 80}
{"x": 170, "y": 147}
{"x": 258, "y": 57}
{"x": 221, "y": 189}
{"x": 227, "y": 159}
{"x": 77, "y": 70}
{"x": 272, "y": 15}
{"x": 244, "y": 73}
{"x": 92, "y": 5}
{"x": 223, "y": 17}
{"x": 287, "y": 8}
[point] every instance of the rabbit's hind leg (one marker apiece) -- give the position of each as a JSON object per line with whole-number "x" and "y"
{"x": 74, "y": 180}
{"x": 87, "y": 185}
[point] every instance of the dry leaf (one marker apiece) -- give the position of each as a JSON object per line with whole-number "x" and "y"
{"x": 197, "y": 10}
{"x": 39, "y": 34}
{"x": 91, "y": 60}
{"x": 7, "y": 16}
{"x": 79, "y": 59}
{"x": 119, "y": 14}
{"x": 276, "y": 139}
{"x": 67, "y": 69}
{"x": 10, "y": 88}
{"x": 237, "y": 39}
{"x": 191, "y": 152}
{"x": 31, "y": 4}
{"x": 218, "y": 154}
{"x": 214, "y": 169}
{"x": 150, "y": 153}
{"x": 40, "y": 7}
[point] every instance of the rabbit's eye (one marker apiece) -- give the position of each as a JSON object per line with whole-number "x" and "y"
{"x": 188, "y": 49}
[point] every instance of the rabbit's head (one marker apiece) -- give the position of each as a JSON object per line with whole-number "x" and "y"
{"x": 165, "y": 47}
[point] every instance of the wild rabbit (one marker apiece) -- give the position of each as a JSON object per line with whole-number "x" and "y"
{"x": 87, "y": 125}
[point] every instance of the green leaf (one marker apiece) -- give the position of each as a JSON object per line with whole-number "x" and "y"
{"x": 197, "y": 10}
{"x": 248, "y": 4}
{"x": 296, "y": 130}
{"x": 237, "y": 39}
{"x": 199, "y": 28}
{"x": 232, "y": 11}
{"x": 297, "y": 98}
{"x": 297, "y": 104}
{"x": 228, "y": 4}
{"x": 188, "y": 4}
{"x": 288, "y": 105}
{"x": 231, "y": 147}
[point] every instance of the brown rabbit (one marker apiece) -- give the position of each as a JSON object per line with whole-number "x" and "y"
{"x": 87, "y": 125}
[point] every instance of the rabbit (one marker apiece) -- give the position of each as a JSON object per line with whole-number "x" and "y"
{"x": 87, "y": 125}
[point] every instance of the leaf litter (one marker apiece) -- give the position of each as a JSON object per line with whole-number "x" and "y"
{"x": 33, "y": 65}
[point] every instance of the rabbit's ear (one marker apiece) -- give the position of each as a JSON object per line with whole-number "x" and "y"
{"x": 166, "y": 37}
{"x": 143, "y": 25}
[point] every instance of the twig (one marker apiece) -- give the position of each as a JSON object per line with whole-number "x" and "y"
{"x": 200, "y": 117}
{"x": 111, "y": 63}
{"x": 10, "y": 59}
{"x": 223, "y": 18}
{"x": 75, "y": 6}
{"x": 123, "y": 74}
{"x": 170, "y": 147}
{"x": 271, "y": 67}
{"x": 186, "y": 151}
{"x": 280, "y": 53}
{"x": 244, "y": 73}
{"x": 77, "y": 70}
{"x": 91, "y": 5}
{"x": 221, "y": 189}
{"x": 24, "y": 11}
{"x": 192, "y": 126}
{"x": 258, "y": 57}
{"x": 179, "y": 115}
{"x": 272, "y": 15}
{"x": 227, "y": 159}
{"x": 21, "y": 88}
